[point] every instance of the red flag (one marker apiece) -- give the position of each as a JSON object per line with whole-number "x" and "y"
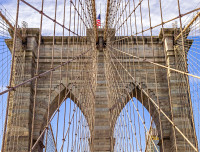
{"x": 99, "y": 20}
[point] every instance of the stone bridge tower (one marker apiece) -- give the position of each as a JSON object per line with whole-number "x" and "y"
{"x": 102, "y": 127}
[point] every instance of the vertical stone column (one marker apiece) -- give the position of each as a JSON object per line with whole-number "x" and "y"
{"x": 20, "y": 107}
{"x": 102, "y": 129}
{"x": 178, "y": 95}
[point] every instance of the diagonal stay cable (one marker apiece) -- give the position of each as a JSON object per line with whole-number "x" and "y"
{"x": 52, "y": 134}
{"x": 120, "y": 92}
{"x": 155, "y": 104}
{"x": 129, "y": 16}
{"x": 94, "y": 19}
{"x": 187, "y": 27}
{"x": 153, "y": 27}
{"x": 107, "y": 16}
{"x": 114, "y": 14}
{"x": 81, "y": 4}
{"x": 157, "y": 64}
{"x": 53, "y": 115}
{"x": 44, "y": 73}
{"x": 28, "y": 4}
{"x": 75, "y": 8}
{"x": 130, "y": 98}
{"x": 70, "y": 122}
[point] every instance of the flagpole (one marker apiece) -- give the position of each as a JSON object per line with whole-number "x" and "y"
{"x": 100, "y": 14}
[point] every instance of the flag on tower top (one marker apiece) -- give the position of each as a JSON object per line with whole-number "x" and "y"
{"x": 99, "y": 20}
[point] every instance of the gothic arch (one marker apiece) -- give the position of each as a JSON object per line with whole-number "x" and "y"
{"x": 141, "y": 96}
{"x": 62, "y": 93}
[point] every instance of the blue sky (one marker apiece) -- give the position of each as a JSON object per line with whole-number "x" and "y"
{"x": 32, "y": 18}
{"x": 194, "y": 68}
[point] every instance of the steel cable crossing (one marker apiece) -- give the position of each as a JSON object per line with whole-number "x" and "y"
{"x": 141, "y": 80}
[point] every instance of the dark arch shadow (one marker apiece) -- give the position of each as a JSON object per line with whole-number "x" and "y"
{"x": 62, "y": 93}
{"x": 136, "y": 91}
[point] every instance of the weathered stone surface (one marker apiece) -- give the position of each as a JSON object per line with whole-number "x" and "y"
{"x": 172, "y": 101}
